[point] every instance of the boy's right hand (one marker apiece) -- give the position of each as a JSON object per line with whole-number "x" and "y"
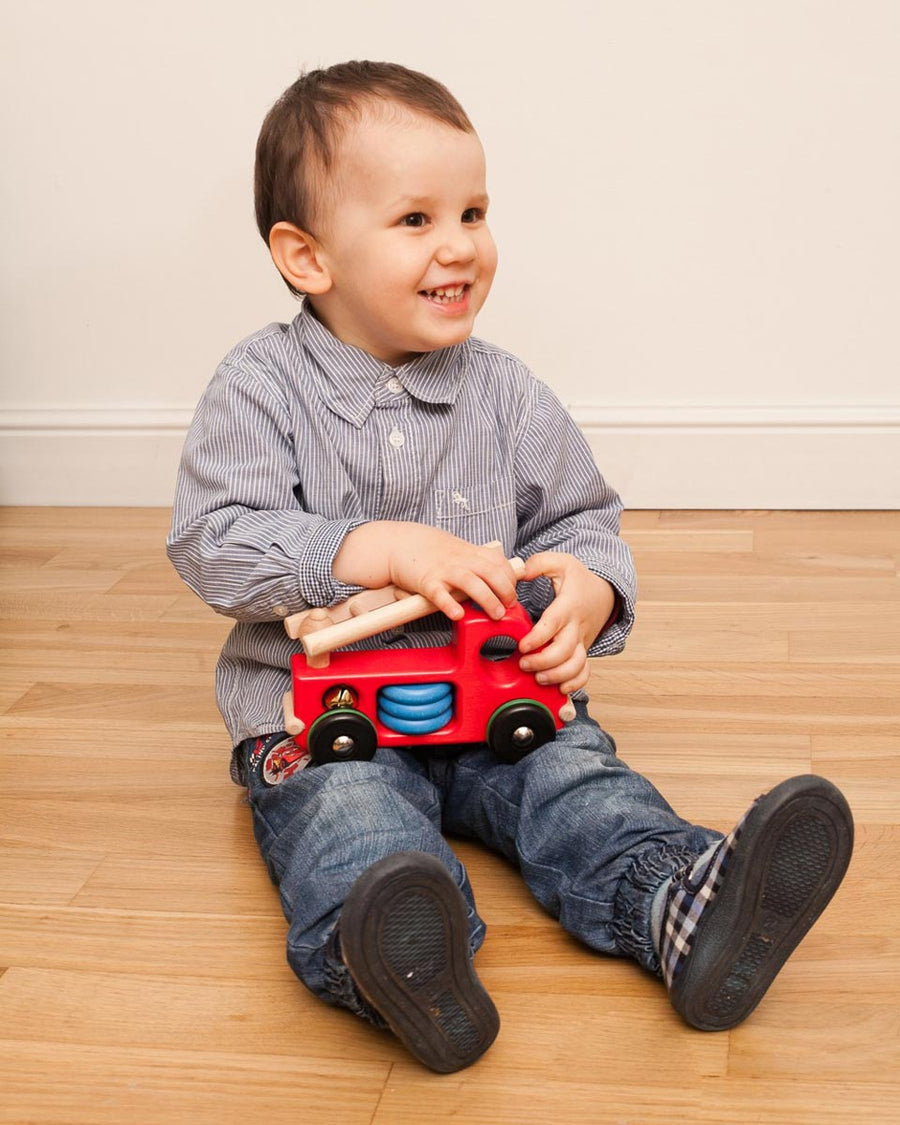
{"x": 428, "y": 561}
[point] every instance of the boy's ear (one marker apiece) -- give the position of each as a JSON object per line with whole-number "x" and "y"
{"x": 299, "y": 259}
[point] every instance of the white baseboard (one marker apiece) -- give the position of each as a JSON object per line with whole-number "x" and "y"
{"x": 804, "y": 457}
{"x": 119, "y": 457}
{"x": 820, "y": 457}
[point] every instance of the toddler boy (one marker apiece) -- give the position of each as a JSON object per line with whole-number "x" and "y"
{"x": 374, "y": 441}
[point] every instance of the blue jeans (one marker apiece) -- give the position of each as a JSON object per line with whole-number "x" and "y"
{"x": 593, "y": 840}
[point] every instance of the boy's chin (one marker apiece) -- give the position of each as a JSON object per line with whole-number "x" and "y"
{"x": 431, "y": 338}
{"x": 446, "y": 335}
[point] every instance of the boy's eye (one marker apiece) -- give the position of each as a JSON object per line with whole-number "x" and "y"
{"x": 416, "y": 219}
{"x": 472, "y": 215}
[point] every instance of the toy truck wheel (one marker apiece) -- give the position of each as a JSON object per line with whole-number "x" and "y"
{"x": 342, "y": 736}
{"x": 517, "y": 728}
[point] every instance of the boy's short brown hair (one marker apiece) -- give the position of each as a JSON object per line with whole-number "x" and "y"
{"x": 297, "y": 142}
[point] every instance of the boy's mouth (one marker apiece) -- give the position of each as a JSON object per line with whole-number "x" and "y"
{"x": 446, "y": 294}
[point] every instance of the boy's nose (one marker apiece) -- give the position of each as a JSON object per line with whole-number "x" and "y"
{"x": 456, "y": 246}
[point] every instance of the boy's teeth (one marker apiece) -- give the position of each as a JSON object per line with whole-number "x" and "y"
{"x": 452, "y": 293}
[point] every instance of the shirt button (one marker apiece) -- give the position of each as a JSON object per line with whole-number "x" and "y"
{"x": 396, "y": 439}
{"x": 394, "y": 385}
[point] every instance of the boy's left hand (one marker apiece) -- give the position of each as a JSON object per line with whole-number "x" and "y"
{"x": 568, "y": 626}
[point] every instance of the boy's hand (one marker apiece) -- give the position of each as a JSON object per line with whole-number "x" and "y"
{"x": 428, "y": 561}
{"x": 570, "y": 623}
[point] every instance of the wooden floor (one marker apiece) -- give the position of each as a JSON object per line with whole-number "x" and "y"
{"x": 142, "y": 944}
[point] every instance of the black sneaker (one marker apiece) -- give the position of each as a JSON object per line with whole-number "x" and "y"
{"x": 404, "y": 938}
{"x": 734, "y": 917}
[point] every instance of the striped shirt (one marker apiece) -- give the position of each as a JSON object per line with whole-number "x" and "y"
{"x": 301, "y": 438}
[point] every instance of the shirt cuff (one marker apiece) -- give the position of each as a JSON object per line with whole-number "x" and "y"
{"x": 315, "y": 576}
{"x": 611, "y": 638}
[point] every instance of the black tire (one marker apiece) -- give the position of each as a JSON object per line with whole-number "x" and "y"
{"x": 518, "y": 728}
{"x": 328, "y": 729}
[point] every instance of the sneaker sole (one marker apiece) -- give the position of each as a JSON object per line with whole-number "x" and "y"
{"x": 789, "y": 860}
{"x": 405, "y": 940}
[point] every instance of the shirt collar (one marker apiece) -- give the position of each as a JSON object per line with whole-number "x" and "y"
{"x": 351, "y": 381}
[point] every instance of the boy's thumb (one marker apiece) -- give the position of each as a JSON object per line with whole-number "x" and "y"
{"x": 541, "y": 565}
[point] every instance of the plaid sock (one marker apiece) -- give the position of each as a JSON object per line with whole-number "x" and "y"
{"x": 691, "y": 890}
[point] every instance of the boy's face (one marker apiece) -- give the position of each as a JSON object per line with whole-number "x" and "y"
{"x": 404, "y": 239}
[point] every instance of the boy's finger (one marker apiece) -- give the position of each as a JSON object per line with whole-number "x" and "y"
{"x": 570, "y": 674}
{"x": 538, "y": 565}
{"x": 447, "y": 601}
{"x": 481, "y": 592}
{"x": 577, "y": 681}
{"x": 554, "y": 656}
{"x": 546, "y": 564}
{"x": 501, "y": 577}
{"x": 556, "y": 652}
{"x": 542, "y": 632}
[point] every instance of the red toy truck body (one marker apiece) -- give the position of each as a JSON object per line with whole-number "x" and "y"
{"x": 341, "y": 709}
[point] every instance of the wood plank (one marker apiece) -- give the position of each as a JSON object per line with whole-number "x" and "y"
{"x": 858, "y": 1038}
{"x": 668, "y": 633}
{"x": 15, "y": 556}
{"x": 107, "y": 666}
{"x": 12, "y": 689}
{"x": 702, "y": 566}
{"x": 859, "y": 755}
{"x": 69, "y": 523}
{"x": 822, "y": 642}
{"x": 603, "y": 1096}
{"x": 859, "y": 617}
{"x": 152, "y": 578}
{"x": 96, "y": 636}
{"x": 210, "y": 884}
{"x": 188, "y": 607}
{"x": 778, "y": 681}
{"x": 58, "y": 582}
{"x": 558, "y": 1029}
{"x": 171, "y": 705}
{"x": 48, "y": 1083}
{"x": 734, "y": 714}
{"x": 203, "y": 743}
{"x": 43, "y": 606}
{"x": 877, "y": 536}
{"x": 51, "y": 876}
{"x": 164, "y": 822}
{"x": 765, "y": 588}
{"x": 121, "y": 553}
{"x": 673, "y": 540}
{"x": 802, "y": 525}
{"x": 635, "y": 518}
{"x": 244, "y": 1014}
{"x": 811, "y": 632}
{"x": 144, "y": 944}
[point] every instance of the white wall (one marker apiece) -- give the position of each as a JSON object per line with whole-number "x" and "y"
{"x": 696, "y": 207}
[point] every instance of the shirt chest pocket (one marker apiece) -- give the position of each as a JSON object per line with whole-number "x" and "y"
{"x": 478, "y": 513}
